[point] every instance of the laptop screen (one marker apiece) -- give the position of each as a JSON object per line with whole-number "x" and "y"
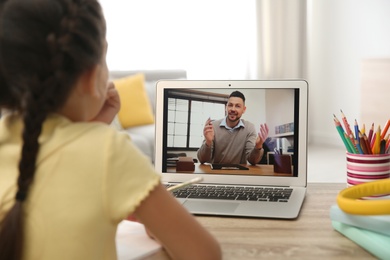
{"x": 185, "y": 107}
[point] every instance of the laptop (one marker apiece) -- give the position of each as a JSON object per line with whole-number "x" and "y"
{"x": 268, "y": 189}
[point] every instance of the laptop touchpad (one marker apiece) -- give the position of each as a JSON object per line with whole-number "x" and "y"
{"x": 211, "y": 206}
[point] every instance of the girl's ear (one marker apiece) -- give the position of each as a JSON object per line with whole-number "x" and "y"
{"x": 87, "y": 81}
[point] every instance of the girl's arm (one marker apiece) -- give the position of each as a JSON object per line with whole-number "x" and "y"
{"x": 175, "y": 228}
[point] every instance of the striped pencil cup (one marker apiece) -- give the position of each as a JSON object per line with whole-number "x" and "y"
{"x": 362, "y": 168}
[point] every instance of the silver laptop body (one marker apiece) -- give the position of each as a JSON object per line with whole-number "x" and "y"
{"x": 183, "y": 106}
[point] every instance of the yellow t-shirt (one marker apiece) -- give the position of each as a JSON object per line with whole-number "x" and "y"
{"x": 88, "y": 178}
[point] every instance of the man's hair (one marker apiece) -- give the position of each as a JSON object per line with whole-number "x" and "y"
{"x": 238, "y": 94}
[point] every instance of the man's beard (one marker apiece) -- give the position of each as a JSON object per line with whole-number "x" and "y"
{"x": 237, "y": 118}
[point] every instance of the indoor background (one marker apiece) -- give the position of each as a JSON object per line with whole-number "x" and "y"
{"x": 327, "y": 42}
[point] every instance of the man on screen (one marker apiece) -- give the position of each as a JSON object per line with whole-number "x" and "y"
{"x": 232, "y": 139}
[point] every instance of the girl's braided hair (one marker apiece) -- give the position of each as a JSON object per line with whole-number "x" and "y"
{"x": 45, "y": 45}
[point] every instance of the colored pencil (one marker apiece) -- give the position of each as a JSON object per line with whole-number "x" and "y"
{"x": 382, "y": 146}
{"x": 370, "y": 133}
{"x": 377, "y": 143}
{"x": 373, "y": 141}
{"x": 387, "y": 142}
{"x": 362, "y": 144}
{"x": 356, "y": 127}
{"x": 367, "y": 144}
{"x": 346, "y": 124}
{"x": 351, "y": 144}
{"x": 358, "y": 147}
{"x": 341, "y": 132}
{"x": 385, "y": 129}
{"x": 185, "y": 184}
{"x": 357, "y": 142}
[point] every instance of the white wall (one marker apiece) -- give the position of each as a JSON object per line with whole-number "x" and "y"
{"x": 342, "y": 34}
{"x": 209, "y": 39}
{"x": 255, "y": 107}
{"x": 280, "y": 108}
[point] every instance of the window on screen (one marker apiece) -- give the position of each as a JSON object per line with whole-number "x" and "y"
{"x": 187, "y": 115}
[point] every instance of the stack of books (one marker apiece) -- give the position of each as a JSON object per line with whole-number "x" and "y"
{"x": 370, "y": 232}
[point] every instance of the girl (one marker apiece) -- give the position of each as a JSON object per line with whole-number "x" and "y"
{"x": 66, "y": 178}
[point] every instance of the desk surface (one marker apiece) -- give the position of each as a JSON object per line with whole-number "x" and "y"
{"x": 258, "y": 169}
{"x": 310, "y": 236}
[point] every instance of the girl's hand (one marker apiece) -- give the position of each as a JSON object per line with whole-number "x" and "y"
{"x": 110, "y": 107}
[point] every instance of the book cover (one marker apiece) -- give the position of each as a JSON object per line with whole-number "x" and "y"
{"x": 376, "y": 223}
{"x": 374, "y": 242}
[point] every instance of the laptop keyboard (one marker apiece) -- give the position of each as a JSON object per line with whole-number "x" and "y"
{"x": 234, "y": 193}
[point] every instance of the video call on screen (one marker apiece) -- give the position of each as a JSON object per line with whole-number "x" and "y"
{"x": 185, "y": 114}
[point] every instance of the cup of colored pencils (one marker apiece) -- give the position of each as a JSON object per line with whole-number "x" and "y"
{"x": 368, "y": 156}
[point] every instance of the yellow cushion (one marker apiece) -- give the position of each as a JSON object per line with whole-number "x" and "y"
{"x": 135, "y": 106}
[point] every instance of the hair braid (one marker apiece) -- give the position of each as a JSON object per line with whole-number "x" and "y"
{"x": 33, "y": 117}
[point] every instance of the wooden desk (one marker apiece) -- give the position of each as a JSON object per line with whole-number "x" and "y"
{"x": 258, "y": 169}
{"x": 311, "y": 236}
